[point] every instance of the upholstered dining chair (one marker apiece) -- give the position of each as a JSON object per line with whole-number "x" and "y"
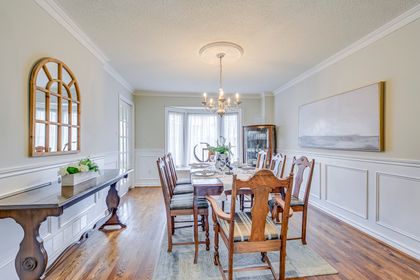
{"x": 253, "y": 232}
{"x": 177, "y": 186}
{"x": 180, "y": 205}
{"x": 277, "y": 164}
{"x": 178, "y": 181}
{"x": 298, "y": 205}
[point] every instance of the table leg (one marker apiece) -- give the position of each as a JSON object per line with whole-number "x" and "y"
{"x": 113, "y": 201}
{"x": 31, "y": 259}
{"x": 195, "y": 214}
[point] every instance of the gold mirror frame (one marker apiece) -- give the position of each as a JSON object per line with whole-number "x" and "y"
{"x": 54, "y": 109}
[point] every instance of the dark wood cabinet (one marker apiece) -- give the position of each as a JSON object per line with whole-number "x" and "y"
{"x": 257, "y": 138}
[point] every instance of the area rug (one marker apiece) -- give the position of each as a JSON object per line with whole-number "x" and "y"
{"x": 301, "y": 261}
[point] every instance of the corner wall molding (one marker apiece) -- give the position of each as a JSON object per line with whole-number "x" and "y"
{"x": 56, "y": 12}
{"x": 190, "y": 94}
{"x": 383, "y": 31}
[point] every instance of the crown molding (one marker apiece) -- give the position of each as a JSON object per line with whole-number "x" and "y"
{"x": 188, "y": 94}
{"x": 383, "y": 31}
{"x": 111, "y": 71}
{"x": 56, "y": 12}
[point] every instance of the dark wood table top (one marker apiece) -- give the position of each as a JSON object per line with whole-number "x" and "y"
{"x": 53, "y": 195}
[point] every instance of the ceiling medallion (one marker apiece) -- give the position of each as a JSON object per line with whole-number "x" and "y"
{"x": 214, "y": 53}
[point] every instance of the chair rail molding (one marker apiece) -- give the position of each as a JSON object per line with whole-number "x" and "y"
{"x": 362, "y": 192}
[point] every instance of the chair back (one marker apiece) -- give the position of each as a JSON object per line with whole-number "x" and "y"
{"x": 172, "y": 165}
{"x": 261, "y": 159}
{"x": 301, "y": 164}
{"x": 262, "y": 183}
{"x": 277, "y": 164}
{"x": 171, "y": 176}
{"x": 167, "y": 194}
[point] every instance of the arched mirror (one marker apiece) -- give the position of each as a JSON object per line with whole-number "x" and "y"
{"x": 55, "y": 109}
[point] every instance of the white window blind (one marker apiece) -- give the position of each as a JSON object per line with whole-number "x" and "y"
{"x": 230, "y": 132}
{"x": 201, "y": 128}
{"x": 175, "y": 136}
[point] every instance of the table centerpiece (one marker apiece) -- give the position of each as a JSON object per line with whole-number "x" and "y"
{"x": 74, "y": 174}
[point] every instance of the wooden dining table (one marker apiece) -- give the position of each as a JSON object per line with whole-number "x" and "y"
{"x": 219, "y": 184}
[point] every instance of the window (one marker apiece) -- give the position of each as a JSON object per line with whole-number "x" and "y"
{"x": 230, "y": 132}
{"x": 175, "y": 133}
{"x": 187, "y": 127}
{"x": 201, "y": 128}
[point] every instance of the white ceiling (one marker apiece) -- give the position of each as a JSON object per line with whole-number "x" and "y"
{"x": 154, "y": 44}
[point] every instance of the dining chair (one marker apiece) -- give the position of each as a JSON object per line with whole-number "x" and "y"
{"x": 177, "y": 186}
{"x": 277, "y": 164}
{"x": 253, "y": 232}
{"x": 261, "y": 160}
{"x": 260, "y": 164}
{"x": 298, "y": 205}
{"x": 179, "y": 181}
{"x": 180, "y": 205}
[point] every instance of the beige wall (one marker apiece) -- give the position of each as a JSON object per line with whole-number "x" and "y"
{"x": 394, "y": 59}
{"x": 375, "y": 192}
{"x": 29, "y": 34}
{"x": 150, "y": 117}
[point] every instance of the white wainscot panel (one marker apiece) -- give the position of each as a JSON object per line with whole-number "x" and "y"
{"x": 316, "y": 181}
{"x": 347, "y": 188}
{"x": 146, "y": 169}
{"x": 398, "y": 204}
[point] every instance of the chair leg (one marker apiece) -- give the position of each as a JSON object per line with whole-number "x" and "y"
{"x": 170, "y": 230}
{"x": 173, "y": 225}
{"x": 230, "y": 264}
{"x": 206, "y": 220}
{"x": 203, "y": 226}
{"x": 216, "y": 244}
{"x": 263, "y": 256}
{"x": 304, "y": 220}
{"x": 282, "y": 268}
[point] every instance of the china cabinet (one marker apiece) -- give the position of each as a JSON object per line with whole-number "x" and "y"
{"x": 257, "y": 138}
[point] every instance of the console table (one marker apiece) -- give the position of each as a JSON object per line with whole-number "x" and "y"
{"x": 30, "y": 208}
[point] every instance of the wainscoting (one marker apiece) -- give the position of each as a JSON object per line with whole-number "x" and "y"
{"x": 378, "y": 196}
{"x": 146, "y": 173}
{"x": 57, "y": 232}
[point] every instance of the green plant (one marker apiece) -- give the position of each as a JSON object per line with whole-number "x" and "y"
{"x": 84, "y": 165}
{"x": 219, "y": 149}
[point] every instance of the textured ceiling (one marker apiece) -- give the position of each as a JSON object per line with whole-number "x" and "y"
{"x": 154, "y": 44}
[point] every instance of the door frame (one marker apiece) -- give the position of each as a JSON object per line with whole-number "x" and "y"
{"x": 122, "y": 98}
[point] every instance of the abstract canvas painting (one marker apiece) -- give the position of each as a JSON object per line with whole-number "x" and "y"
{"x": 353, "y": 120}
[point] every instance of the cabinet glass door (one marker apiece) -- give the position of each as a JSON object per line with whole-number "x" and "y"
{"x": 256, "y": 139}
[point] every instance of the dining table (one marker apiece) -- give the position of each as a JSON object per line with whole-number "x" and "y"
{"x": 207, "y": 181}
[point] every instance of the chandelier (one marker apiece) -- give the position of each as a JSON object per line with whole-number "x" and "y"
{"x": 221, "y": 50}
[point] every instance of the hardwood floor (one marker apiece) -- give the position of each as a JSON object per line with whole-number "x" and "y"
{"x": 132, "y": 253}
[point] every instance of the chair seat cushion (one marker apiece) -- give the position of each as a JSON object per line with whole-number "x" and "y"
{"x": 293, "y": 202}
{"x": 243, "y": 224}
{"x": 185, "y": 201}
{"x": 183, "y": 181}
{"x": 183, "y": 189}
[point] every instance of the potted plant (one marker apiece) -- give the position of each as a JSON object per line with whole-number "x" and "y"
{"x": 222, "y": 153}
{"x": 74, "y": 174}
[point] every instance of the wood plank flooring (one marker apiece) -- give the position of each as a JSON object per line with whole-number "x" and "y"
{"x": 132, "y": 253}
